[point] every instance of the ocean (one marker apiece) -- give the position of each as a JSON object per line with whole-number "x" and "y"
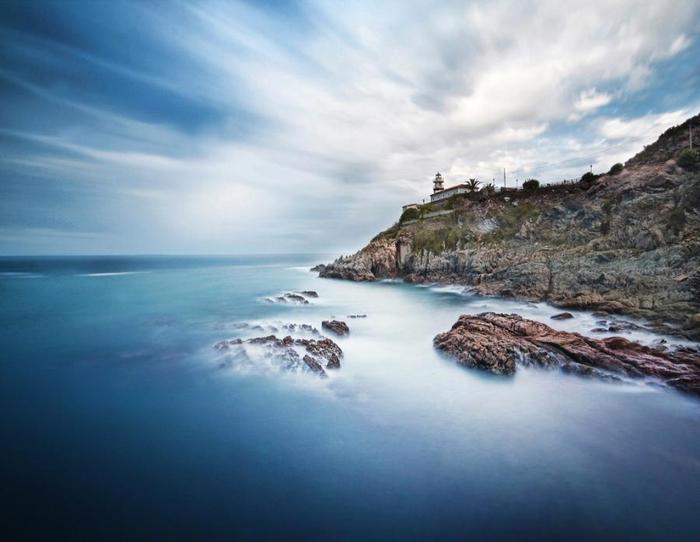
{"x": 120, "y": 420}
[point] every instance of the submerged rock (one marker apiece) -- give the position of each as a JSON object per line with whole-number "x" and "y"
{"x": 357, "y": 316}
{"x": 288, "y": 298}
{"x": 310, "y": 293}
{"x": 336, "y": 326}
{"x": 562, "y": 316}
{"x": 285, "y": 353}
{"x": 498, "y": 343}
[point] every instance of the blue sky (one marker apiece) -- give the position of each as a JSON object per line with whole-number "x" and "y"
{"x": 224, "y": 127}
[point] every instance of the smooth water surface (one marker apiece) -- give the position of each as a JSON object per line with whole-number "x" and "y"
{"x": 119, "y": 419}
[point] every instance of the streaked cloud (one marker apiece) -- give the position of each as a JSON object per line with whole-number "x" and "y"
{"x": 246, "y": 127}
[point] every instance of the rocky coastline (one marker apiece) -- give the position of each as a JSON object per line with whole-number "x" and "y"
{"x": 625, "y": 242}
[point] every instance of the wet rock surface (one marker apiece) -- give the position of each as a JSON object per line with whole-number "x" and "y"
{"x": 336, "y": 326}
{"x": 314, "y": 355}
{"x": 498, "y": 343}
{"x": 299, "y": 298}
{"x": 562, "y": 316}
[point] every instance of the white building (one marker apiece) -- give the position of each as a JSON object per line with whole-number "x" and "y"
{"x": 441, "y": 193}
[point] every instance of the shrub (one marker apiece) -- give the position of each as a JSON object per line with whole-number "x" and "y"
{"x": 617, "y": 168}
{"x": 676, "y": 219}
{"x": 688, "y": 159}
{"x": 588, "y": 177}
{"x": 409, "y": 214}
{"x": 531, "y": 184}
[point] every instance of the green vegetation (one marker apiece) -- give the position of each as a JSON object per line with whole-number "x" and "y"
{"x": 510, "y": 220}
{"x": 409, "y": 214}
{"x": 388, "y": 233}
{"x": 437, "y": 241}
{"x": 472, "y": 185}
{"x": 531, "y": 184}
{"x": 676, "y": 219}
{"x": 617, "y": 168}
{"x": 588, "y": 177}
{"x": 689, "y": 159}
{"x": 454, "y": 202}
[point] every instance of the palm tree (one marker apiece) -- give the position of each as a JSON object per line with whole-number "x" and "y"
{"x": 472, "y": 185}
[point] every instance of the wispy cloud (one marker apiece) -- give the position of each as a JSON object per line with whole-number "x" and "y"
{"x": 236, "y": 127}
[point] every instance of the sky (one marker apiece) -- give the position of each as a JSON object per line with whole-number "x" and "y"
{"x": 271, "y": 126}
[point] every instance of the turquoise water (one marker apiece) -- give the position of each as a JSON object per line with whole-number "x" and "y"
{"x": 120, "y": 421}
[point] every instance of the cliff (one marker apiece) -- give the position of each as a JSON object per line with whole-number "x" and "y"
{"x": 626, "y": 242}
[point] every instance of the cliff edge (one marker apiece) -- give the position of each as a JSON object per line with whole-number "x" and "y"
{"x": 627, "y": 241}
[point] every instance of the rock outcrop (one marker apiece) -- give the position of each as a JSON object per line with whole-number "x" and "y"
{"x": 627, "y": 243}
{"x": 287, "y": 354}
{"x": 498, "y": 343}
{"x": 336, "y": 326}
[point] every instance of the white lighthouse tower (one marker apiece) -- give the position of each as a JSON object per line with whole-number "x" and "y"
{"x": 438, "y": 183}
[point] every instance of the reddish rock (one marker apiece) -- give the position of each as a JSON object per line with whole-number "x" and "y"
{"x": 499, "y": 343}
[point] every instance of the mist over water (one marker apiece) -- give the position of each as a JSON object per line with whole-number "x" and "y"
{"x": 119, "y": 418}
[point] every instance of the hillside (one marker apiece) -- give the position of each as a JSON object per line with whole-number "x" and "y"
{"x": 626, "y": 242}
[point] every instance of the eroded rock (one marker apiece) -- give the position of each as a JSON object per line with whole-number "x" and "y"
{"x": 286, "y": 353}
{"x": 562, "y": 316}
{"x": 336, "y": 326}
{"x": 498, "y": 343}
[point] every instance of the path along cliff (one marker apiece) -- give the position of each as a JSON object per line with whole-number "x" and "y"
{"x": 626, "y": 242}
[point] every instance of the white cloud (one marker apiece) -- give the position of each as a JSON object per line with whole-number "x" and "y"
{"x": 588, "y": 101}
{"x": 363, "y": 105}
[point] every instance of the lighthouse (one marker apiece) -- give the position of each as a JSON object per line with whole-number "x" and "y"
{"x": 438, "y": 183}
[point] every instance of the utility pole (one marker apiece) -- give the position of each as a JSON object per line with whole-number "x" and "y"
{"x": 504, "y": 177}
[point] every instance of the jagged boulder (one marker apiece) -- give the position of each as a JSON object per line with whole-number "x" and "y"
{"x": 498, "y": 343}
{"x": 287, "y": 353}
{"x": 336, "y": 326}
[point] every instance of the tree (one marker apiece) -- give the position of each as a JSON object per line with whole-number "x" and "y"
{"x": 472, "y": 185}
{"x": 531, "y": 184}
{"x": 689, "y": 159}
{"x": 617, "y": 168}
{"x": 588, "y": 177}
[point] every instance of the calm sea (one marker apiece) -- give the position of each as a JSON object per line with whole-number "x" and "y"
{"x": 120, "y": 421}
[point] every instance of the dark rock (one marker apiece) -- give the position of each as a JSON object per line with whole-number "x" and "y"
{"x": 562, "y": 316}
{"x": 357, "y": 316}
{"x": 314, "y": 365}
{"x": 296, "y": 298}
{"x": 284, "y": 352}
{"x": 310, "y": 293}
{"x": 325, "y": 349}
{"x": 499, "y": 342}
{"x": 336, "y": 326}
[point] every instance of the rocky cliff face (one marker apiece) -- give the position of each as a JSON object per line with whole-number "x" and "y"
{"x": 622, "y": 243}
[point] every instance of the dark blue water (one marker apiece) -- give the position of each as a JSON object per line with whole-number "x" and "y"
{"x": 120, "y": 421}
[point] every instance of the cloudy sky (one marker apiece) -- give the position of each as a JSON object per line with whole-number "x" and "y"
{"x": 252, "y": 127}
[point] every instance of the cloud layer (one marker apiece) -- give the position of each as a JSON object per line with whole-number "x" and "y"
{"x": 244, "y": 127}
